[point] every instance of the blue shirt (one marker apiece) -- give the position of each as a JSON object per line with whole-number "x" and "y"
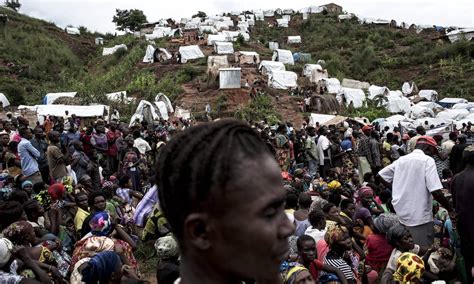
{"x": 28, "y": 155}
{"x": 346, "y": 144}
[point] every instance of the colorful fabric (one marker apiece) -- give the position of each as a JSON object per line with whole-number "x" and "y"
{"x": 101, "y": 224}
{"x": 18, "y": 232}
{"x": 145, "y": 206}
{"x": 56, "y": 191}
{"x": 156, "y": 226}
{"x": 100, "y": 267}
{"x": 334, "y": 234}
{"x": 410, "y": 267}
{"x": 26, "y": 183}
{"x": 290, "y": 272}
{"x": 333, "y": 185}
{"x": 166, "y": 248}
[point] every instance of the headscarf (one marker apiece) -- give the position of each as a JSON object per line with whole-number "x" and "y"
{"x": 25, "y": 183}
{"x": 333, "y": 185}
{"x": 6, "y": 248}
{"x": 335, "y": 234}
{"x": 107, "y": 184}
{"x": 290, "y": 274}
{"x": 166, "y": 248}
{"x": 56, "y": 191}
{"x": 18, "y": 232}
{"x": 385, "y": 221}
{"x": 363, "y": 191}
{"x": 101, "y": 224}
{"x": 410, "y": 267}
{"x": 100, "y": 267}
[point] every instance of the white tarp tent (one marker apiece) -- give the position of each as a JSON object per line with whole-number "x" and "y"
{"x": 159, "y": 32}
{"x": 190, "y": 52}
{"x": 182, "y": 113}
{"x": 229, "y": 78}
{"x": 455, "y": 35}
{"x": 397, "y": 103}
{"x": 333, "y": 86}
{"x": 467, "y": 106}
{"x": 145, "y": 111}
{"x": 432, "y": 105}
{"x": 112, "y": 50}
{"x": 356, "y": 97}
{"x": 149, "y": 54}
{"x": 221, "y": 26}
{"x": 269, "y": 13}
{"x": 318, "y": 75}
{"x": 162, "y": 55}
{"x": 80, "y": 111}
{"x": 294, "y": 39}
{"x": 282, "y": 79}
{"x": 430, "y": 95}
{"x": 283, "y": 23}
{"x": 449, "y": 102}
{"x": 259, "y": 16}
{"x": 267, "y": 67}
{"x": 217, "y": 61}
{"x": 248, "y": 57}
{"x": 354, "y": 84}
{"x": 377, "y": 91}
{"x": 454, "y": 114}
{"x": 407, "y": 88}
{"x": 419, "y": 111}
{"x": 51, "y": 97}
{"x": 222, "y": 47}
{"x": 4, "y": 100}
{"x": 161, "y": 108}
{"x": 73, "y": 31}
{"x": 207, "y": 29}
{"x": 320, "y": 118}
{"x": 119, "y": 97}
{"x": 211, "y": 39}
{"x": 273, "y": 45}
{"x": 163, "y": 98}
{"x": 284, "y": 56}
{"x": 308, "y": 68}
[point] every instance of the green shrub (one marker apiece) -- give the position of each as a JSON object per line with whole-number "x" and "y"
{"x": 15, "y": 94}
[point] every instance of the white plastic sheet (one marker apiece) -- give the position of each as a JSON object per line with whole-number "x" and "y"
{"x": 190, "y": 52}
{"x": 112, "y": 50}
{"x": 282, "y": 79}
{"x": 308, "y": 68}
{"x": 354, "y": 96}
{"x": 221, "y": 47}
{"x": 284, "y": 56}
{"x": 4, "y": 100}
{"x": 149, "y": 54}
{"x": 229, "y": 78}
{"x": 270, "y": 66}
{"x": 294, "y": 39}
{"x": 51, "y": 97}
{"x": 430, "y": 95}
{"x": 377, "y": 91}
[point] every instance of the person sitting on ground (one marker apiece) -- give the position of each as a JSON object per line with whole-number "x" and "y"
{"x": 317, "y": 230}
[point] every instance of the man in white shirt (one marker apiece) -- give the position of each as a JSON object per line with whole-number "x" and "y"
{"x": 140, "y": 143}
{"x": 448, "y": 145}
{"x": 414, "y": 182}
{"x": 324, "y": 152}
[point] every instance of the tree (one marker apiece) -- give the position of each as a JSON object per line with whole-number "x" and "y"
{"x": 13, "y": 4}
{"x": 200, "y": 14}
{"x": 129, "y": 20}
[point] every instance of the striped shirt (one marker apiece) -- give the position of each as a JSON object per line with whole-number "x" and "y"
{"x": 332, "y": 259}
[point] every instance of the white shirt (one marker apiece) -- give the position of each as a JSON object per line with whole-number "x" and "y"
{"x": 414, "y": 178}
{"x": 315, "y": 233}
{"x": 141, "y": 145}
{"x": 323, "y": 144}
{"x": 447, "y": 146}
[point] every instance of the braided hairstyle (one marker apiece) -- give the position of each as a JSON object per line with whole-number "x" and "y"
{"x": 200, "y": 162}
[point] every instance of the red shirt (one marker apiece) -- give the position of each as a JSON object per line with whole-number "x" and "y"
{"x": 111, "y": 137}
{"x": 315, "y": 267}
{"x": 378, "y": 251}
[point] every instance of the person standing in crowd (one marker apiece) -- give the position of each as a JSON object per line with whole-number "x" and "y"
{"x": 29, "y": 155}
{"x": 40, "y": 144}
{"x": 363, "y": 149}
{"x": 375, "y": 158}
{"x": 140, "y": 143}
{"x": 99, "y": 140}
{"x": 282, "y": 147}
{"x": 324, "y": 151}
{"x": 56, "y": 159}
{"x": 414, "y": 181}
{"x": 80, "y": 162}
{"x": 243, "y": 217}
{"x": 463, "y": 195}
{"x": 448, "y": 145}
{"x": 311, "y": 151}
{"x": 456, "y": 162}
{"x": 112, "y": 135}
{"x": 420, "y": 131}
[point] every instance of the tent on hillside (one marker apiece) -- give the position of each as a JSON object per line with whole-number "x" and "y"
{"x": 217, "y": 61}
{"x": 207, "y": 29}
{"x": 294, "y": 39}
{"x": 273, "y": 45}
{"x": 455, "y": 35}
{"x": 4, "y": 100}
{"x": 409, "y": 89}
{"x": 229, "y": 78}
{"x": 269, "y": 13}
{"x": 430, "y": 95}
{"x": 248, "y": 57}
{"x": 333, "y": 86}
{"x": 267, "y": 67}
{"x": 222, "y": 47}
{"x": 454, "y": 114}
{"x": 80, "y": 111}
{"x": 190, "y": 52}
{"x": 284, "y": 56}
{"x": 354, "y": 84}
{"x": 397, "y": 103}
{"x": 211, "y": 39}
{"x": 308, "y": 68}
{"x": 51, "y": 97}
{"x": 145, "y": 111}
{"x": 377, "y": 91}
{"x": 120, "y": 97}
{"x": 449, "y": 102}
{"x": 161, "y": 55}
{"x": 163, "y": 106}
{"x": 318, "y": 75}
{"x": 282, "y": 80}
{"x": 420, "y": 111}
{"x": 354, "y": 97}
{"x": 283, "y": 23}
{"x": 149, "y": 54}
{"x": 73, "y": 31}
{"x": 112, "y": 50}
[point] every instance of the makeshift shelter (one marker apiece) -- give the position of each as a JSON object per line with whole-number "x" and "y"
{"x": 318, "y": 75}
{"x": 51, "y": 97}
{"x": 161, "y": 55}
{"x": 449, "y": 102}
{"x": 163, "y": 98}
{"x": 217, "y": 61}
{"x": 301, "y": 57}
{"x": 345, "y": 17}
{"x": 430, "y": 95}
{"x": 4, "y": 100}
{"x": 221, "y": 26}
{"x": 80, "y": 111}
{"x": 99, "y": 41}
{"x": 145, "y": 111}
{"x": 294, "y": 39}
{"x": 159, "y": 32}
{"x": 222, "y": 47}
{"x": 73, "y": 31}
{"x": 182, "y": 113}
{"x": 323, "y": 119}
{"x": 397, "y": 103}
{"x": 269, "y": 13}
{"x": 468, "y": 106}
{"x": 248, "y": 57}
{"x": 354, "y": 84}
{"x": 453, "y": 114}
{"x": 377, "y": 91}
{"x": 333, "y": 86}
{"x": 354, "y": 97}
{"x": 409, "y": 89}
{"x": 229, "y": 78}
{"x": 283, "y": 23}
{"x": 259, "y": 16}
{"x": 112, "y": 50}
{"x": 149, "y": 54}
{"x": 420, "y": 111}
{"x": 211, "y": 39}
{"x": 190, "y": 52}
{"x": 120, "y": 97}
{"x": 163, "y": 106}
{"x": 273, "y": 45}
{"x": 456, "y": 35}
{"x": 207, "y": 29}
{"x": 322, "y": 104}
{"x": 282, "y": 80}
{"x": 267, "y": 67}
{"x": 308, "y": 68}
{"x": 284, "y": 56}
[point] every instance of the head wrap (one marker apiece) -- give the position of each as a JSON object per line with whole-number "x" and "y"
{"x": 107, "y": 184}
{"x": 6, "y": 248}
{"x": 100, "y": 224}
{"x": 410, "y": 267}
{"x": 18, "y": 232}
{"x": 166, "y": 248}
{"x": 292, "y": 271}
{"x": 363, "y": 191}
{"x": 25, "y": 183}
{"x": 101, "y": 267}
{"x": 56, "y": 191}
{"x": 333, "y": 185}
{"x": 385, "y": 221}
{"x": 334, "y": 234}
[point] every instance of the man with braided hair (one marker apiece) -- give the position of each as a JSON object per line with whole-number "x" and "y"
{"x": 221, "y": 192}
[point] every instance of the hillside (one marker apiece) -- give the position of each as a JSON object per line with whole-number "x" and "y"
{"x": 46, "y": 60}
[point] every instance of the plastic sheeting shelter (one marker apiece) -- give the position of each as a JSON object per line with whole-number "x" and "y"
{"x": 294, "y": 39}
{"x": 248, "y": 57}
{"x": 430, "y": 95}
{"x": 318, "y": 75}
{"x": 79, "y": 111}
{"x": 459, "y": 34}
{"x": 284, "y": 56}
{"x": 99, "y": 41}
{"x": 163, "y": 98}
{"x": 112, "y": 50}
{"x": 397, "y": 103}
{"x": 190, "y": 52}
{"x": 282, "y": 80}
{"x": 211, "y": 39}
{"x": 267, "y": 67}
{"x": 408, "y": 89}
{"x": 449, "y": 102}
{"x": 356, "y": 97}
{"x": 119, "y": 97}
{"x": 51, "y": 97}
{"x": 283, "y": 23}
{"x": 354, "y": 84}
{"x": 333, "y": 86}
{"x": 268, "y": 13}
{"x": 207, "y": 29}
{"x": 308, "y": 68}
{"x": 420, "y": 111}
{"x": 145, "y": 111}
{"x": 4, "y": 100}
{"x": 229, "y": 78}
{"x": 73, "y": 31}
{"x": 217, "y": 61}
{"x": 454, "y": 114}
{"x": 377, "y": 91}
{"x": 222, "y": 47}
{"x": 149, "y": 54}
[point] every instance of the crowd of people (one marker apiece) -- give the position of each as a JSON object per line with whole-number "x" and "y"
{"x": 231, "y": 202}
